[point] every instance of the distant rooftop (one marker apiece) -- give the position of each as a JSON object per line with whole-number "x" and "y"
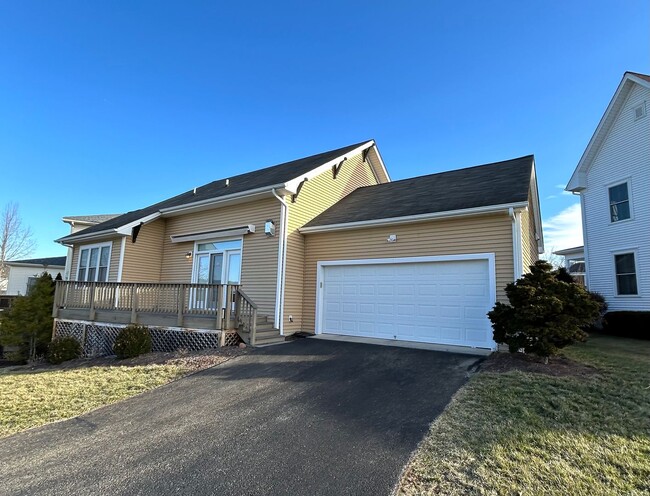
{"x": 90, "y": 219}
{"x": 50, "y": 262}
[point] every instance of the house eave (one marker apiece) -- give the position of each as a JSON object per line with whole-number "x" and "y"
{"x": 409, "y": 219}
{"x": 19, "y": 264}
{"x": 70, "y": 240}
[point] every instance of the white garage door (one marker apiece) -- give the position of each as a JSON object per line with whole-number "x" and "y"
{"x": 442, "y": 302}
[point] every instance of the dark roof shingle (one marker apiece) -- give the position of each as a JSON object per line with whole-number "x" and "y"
{"x": 40, "y": 261}
{"x": 483, "y": 185}
{"x": 267, "y": 177}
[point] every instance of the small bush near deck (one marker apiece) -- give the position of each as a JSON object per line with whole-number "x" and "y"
{"x": 132, "y": 341}
{"x": 63, "y": 349}
{"x": 627, "y": 324}
{"x": 545, "y": 313}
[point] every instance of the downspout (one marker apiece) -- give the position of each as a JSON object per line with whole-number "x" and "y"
{"x": 282, "y": 261}
{"x": 517, "y": 255}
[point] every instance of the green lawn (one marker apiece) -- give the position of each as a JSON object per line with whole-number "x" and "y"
{"x": 522, "y": 433}
{"x": 32, "y": 398}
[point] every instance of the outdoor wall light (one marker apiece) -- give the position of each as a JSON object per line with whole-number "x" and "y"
{"x": 188, "y": 255}
{"x": 392, "y": 238}
{"x": 269, "y": 228}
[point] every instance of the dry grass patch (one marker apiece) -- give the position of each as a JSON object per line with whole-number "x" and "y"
{"x": 33, "y": 396}
{"x": 529, "y": 433}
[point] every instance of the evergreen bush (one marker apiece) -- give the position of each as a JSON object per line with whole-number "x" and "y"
{"x": 545, "y": 313}
{"x": 63, "y": 349}
{"x": 132, "y": 341}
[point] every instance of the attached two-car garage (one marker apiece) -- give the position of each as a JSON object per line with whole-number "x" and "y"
{"x": 438, "y": 300}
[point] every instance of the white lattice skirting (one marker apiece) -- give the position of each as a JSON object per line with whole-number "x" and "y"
{"x": 97, "y": 338}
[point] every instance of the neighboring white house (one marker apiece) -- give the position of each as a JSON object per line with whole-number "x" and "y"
{"x": 22, "y": 273}
{"x": 574, "y": 262}
{"x": 79, "y": 223}
{"x": 613, "y": 180}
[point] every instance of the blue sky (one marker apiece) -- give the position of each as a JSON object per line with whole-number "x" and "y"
{"x": 110, "y": 106}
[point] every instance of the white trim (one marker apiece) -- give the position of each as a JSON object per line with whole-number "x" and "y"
{"x": 321, "y": 264}
{"x": 578, "y": 179}
{"x": 82, "y": 237}
{"x": 381, "y": 162}
{"x": 627, "y": 251}
{"x": 608, "y": 186}
{"x": 278, "y": 317}
{"x": 414, "y": 218}
{"x": 90, "y": 247}
{"x": 517, "y": 251}
{"x": 120, "y": 267}
{"x": 35, "y": 265}
{"x": 219, "y": 234}
{"x": 210, "y": 202}
{"x": 583, "y": 214}
{"x": 126, "y": 228}
{"x": 292, "y": 185}
{"x": 537, "y": 211}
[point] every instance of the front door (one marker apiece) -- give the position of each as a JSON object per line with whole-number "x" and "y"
{"x": 217, "y": 262}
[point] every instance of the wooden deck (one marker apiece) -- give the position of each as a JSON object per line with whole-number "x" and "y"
{"x": 197, "y": 306}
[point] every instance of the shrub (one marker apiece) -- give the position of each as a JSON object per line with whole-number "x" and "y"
{"x": 545, "y": 313}
{"x": 27, "y": 325}
{"x": 132, "y": 341}
{"x": 627, "y": 324}
{"x": 63, "y": 349}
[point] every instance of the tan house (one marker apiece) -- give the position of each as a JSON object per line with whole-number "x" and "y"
{"x": 325, "y": 244}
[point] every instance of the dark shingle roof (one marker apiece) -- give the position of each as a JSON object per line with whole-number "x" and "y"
{"x": 40, "y": 261}
{"x": 267, "y": 177}
{"x": 93, "y": 219}
{"x": 484, "y": 185}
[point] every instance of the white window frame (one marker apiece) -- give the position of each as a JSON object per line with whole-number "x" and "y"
{"x": 627, "y": 181}
{"x": 195, "y": 265}
{"x": 628, "y": 251}
{"x": 89, "y": 247}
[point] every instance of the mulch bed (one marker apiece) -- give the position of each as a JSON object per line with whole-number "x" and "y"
{"x": 191, "y": 360}
{"x": 557, "y": 366}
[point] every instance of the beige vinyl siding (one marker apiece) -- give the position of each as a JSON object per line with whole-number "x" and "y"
{"x": 316, "y": 196}
{"x": 529, "y": 249}
{"x": 259, "y": 253}
{"x": 116, "y": 245}
{"x": 479, "y": 234}
{"x": 143, "y": 258}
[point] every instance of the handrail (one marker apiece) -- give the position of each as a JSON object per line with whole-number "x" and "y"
{"x": 179, "y": 300}
{"x": 246, "y": 315}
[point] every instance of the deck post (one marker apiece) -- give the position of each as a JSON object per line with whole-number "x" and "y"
{"x": 91, "y": 313}
{"x": 219, "y": 311}
{"x": 237, "y": 308}
{"x": 228, "y": 305}
{"x": 134, "y": 305}
{"x": 181, "y": 304}
{"x": 253, "y": 327}
{"x": 57, "y": 298}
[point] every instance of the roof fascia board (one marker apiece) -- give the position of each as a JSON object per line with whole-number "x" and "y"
{"x": 293, "y": 183}
{"x": 578, "y": 180}
{"x": 126, "y": 228}
{"x": 381, "y": 162}
{"x": 414, "y": 218}
{"x": 537, "y": 210}
{"x": 22, "y": 264}
{"x": 83, "y": 237}
{"x": 211, "y": 202}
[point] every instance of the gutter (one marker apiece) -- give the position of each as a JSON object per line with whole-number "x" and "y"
{"x": 282, "y": 262}
{"x": 408, "y": 219}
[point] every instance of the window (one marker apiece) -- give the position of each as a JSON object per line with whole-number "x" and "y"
{"x": 93, "y": 263}
{"x": 619, "y": 202}
{"x": 31, "y": 282}
{"x": 625, "y": 274}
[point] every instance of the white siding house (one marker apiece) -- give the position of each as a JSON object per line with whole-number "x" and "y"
{"x": 21, "y": 271}
{"x": 613, "y": 180}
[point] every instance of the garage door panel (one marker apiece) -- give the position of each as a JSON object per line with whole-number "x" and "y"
{"x": 435, "y": 302}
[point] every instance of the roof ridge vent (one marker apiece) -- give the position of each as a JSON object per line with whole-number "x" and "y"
{"x": 194, "y": 192}
{"x": 227, "y": 182}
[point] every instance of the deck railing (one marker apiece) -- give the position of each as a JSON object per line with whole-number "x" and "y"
{"x": 246, "y": 315}
{"x": 206, "y": 301}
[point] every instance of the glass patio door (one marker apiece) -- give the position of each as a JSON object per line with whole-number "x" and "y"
{"x": 215, "y": 263}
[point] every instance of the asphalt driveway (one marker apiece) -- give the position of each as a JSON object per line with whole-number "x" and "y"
{"x": 310, "y": 417}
